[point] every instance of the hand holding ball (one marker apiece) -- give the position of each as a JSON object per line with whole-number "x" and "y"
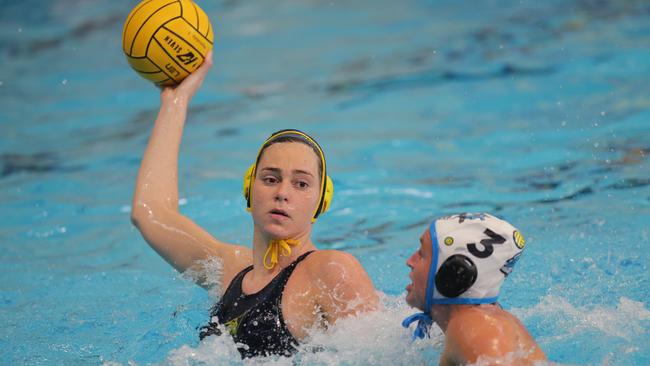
{"x": 166, "y": 40}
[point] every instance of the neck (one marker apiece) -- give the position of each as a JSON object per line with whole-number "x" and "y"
{"x": 260, "y": 244}
{"x": 441, "y": 314}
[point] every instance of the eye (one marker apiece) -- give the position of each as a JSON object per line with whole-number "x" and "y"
{"x": 302, "y": 184}
{"x": 269, "y": 179}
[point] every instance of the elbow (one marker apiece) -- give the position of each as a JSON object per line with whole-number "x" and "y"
{"x": 145, "y": 216}
{"x": 136, "y": 216}
{"x": 140, "y": 214}
{"x": 144, "y": 220}
{"x": 135, "y": 220}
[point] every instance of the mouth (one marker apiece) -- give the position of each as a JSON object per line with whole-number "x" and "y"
{"x": 279, "y": 213}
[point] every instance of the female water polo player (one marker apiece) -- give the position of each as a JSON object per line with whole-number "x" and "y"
{"x": 456, "y": 275}
{"x": 281, "y": 287}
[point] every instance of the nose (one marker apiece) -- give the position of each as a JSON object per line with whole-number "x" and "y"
{"x": 409, "y": 261}
{"x": 282, "y": 191}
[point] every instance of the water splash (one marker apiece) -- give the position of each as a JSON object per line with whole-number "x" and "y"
{"x": 377, "y": 338}
{"x": 207, "y": 273}
{"x": 213, "y": 350}
{"x": 372, "y": 338}
{"x": 626, "y": 321}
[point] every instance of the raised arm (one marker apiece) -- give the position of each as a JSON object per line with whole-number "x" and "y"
{"x": 179, "y": 240}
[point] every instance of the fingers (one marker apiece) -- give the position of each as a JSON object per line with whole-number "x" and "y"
{"x": 188, "y": 87}
{"x": 203, "y": 69}
{"x": 207, "y": 62}
{"x": 193, "y": 82}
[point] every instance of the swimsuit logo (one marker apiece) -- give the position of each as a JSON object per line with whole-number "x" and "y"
{"x": 233, "y": 325}
{"x": 449, "y": 240}
{"x": 519, "y": 239}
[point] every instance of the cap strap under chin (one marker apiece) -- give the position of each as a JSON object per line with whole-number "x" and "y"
{"x": 424, "y": 324}
{"x": 277, "y": 248}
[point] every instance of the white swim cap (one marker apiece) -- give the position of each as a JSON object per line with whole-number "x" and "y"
{"x": 472, "y": 255}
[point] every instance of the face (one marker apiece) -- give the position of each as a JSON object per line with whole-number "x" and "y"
{"x": 419, "y": 262}
{"x": 286, "y": 190}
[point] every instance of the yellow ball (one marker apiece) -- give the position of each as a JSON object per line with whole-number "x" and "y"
{"x": 166, "y": 40}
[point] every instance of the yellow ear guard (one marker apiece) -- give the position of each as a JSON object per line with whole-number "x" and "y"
{"x": 248, "y": 182}
{"x": 326, "y": 186}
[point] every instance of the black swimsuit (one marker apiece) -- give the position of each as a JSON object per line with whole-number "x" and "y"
{"x": 255, "y": 321}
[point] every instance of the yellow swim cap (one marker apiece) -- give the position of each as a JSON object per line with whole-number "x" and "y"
{"x": 326, "y": 184}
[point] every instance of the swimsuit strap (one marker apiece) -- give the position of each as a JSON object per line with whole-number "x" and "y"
{"x": 282, "y": 277}
{"x": 236, "y": 283}
{"x": 280, "y": 281}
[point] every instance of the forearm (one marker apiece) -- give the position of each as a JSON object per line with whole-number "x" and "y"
{"x": 157, "y": 182}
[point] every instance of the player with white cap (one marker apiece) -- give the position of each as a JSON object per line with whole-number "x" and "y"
{"x": 456, "y": 276}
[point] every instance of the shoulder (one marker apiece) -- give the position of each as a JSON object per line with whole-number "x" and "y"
{"x": 333, "y": 266}
{"x": 342, "y": 285}
{"x": 332, "y": 258}
{"x": 474, "y": 331}
{"x": 474, "y": 323}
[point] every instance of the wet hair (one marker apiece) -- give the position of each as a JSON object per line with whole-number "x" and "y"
{"x": 291, "y": 138}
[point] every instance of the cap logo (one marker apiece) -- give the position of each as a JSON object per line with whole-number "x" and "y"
{"x": 519, "y": 239}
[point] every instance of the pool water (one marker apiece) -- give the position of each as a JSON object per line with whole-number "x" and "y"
{"x": 538, "y": 112}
